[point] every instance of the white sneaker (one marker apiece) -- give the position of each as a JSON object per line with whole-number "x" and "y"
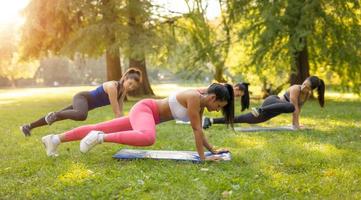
{"x": 50, "y": 146}
{"x": 255, "y": 112}
{"x": 88, "y": 142}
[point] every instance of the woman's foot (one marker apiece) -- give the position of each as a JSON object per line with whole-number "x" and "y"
{"x": 26, "y": 129}
{"x": 50, "y": 118}
{"x": 206, "y": 123}
{"x": 88, "y": 142}
{"x": 51, "y": 143}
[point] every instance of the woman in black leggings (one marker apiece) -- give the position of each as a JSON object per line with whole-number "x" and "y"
{"x": 239, "y": 90}
{"x": 109, "y": 93}
{"x": 290, "y": 102}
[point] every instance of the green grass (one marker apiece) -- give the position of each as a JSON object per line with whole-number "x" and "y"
{"x": 324, "y": 163}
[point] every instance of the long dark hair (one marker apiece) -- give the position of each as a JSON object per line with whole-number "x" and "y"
{"x": 131, "y": 73}
{"x": 245, "y": 98}
{"x": 224, "y": 92}
{"x": 320, "y": 85}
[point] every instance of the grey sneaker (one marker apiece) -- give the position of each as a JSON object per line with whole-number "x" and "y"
{"x": 206, "y": 123}
{"x": 50, "y": 147}
{"x": 255, "y": 112}
{"x": 89, "y": 141}
{"x": 26, "y": 129}
{"x": 50, "y": 118}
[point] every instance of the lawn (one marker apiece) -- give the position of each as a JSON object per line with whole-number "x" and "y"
{"x": 323, "y": 163}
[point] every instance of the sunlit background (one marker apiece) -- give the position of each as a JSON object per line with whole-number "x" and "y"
{"x": 234, "y": 64}
{"x": 12, "y": 19}
{"x": 10, "y": 11}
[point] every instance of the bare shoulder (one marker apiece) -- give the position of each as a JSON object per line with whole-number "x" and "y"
{"x": 110, "y": 85}
{"x": 294, "y": 89}
{"x": 193, "y": 93}
{"x": 188, "y": 95}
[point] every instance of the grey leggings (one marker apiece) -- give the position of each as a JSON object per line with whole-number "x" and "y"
{"x": 271, "y": 107}
{"x": 78, "y": 111}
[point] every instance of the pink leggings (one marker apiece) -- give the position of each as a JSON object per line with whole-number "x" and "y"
{"x": 137, "y": 129}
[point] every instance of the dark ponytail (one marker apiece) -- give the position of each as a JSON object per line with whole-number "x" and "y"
{"x": 320, "y": 85}
{"x": 321, "y": 93}
{"x": 224, "y": 93}
{"x": 245, "y": 98}
{"x": 228, "y": 110}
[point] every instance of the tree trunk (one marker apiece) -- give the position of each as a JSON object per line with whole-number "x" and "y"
{"x": 218, "y": 75}
{"x": 114, "y": 71}
{"x": 137, "y": 56}
{"x": 112, "y": 53}
{"x": 144, "y": 88}
{"x": 301, "y": 67}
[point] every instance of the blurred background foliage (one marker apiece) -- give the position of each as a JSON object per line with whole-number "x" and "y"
{"x": 270, "y": 44}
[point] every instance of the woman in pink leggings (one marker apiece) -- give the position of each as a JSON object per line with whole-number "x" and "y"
{"x": 138, "y": 129}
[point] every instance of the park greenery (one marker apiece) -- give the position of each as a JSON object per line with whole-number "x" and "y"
{"x": 273, "y": 43}
{"x": 322, "y": 163}
{"x": 270, "y": 44}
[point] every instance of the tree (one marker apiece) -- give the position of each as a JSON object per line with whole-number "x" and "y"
{"x": 14, "y": 69}
{"x": 91, "y": 28}
{"x": 11, "y": 67}
{"x": 308, "y": 34}
{"x": 210, "y": 41}
{"x": 79, "y": 70}
{"x": 138, "y": 16}
{"x": 195, "y": 46}
{"x": 69, "y": 27}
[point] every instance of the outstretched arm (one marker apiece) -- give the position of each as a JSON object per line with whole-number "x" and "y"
{"x": 120, "y": 103}
{"x": 294, "y": 96}
{"x": 205, "y": 141}
{"x": 193, "y": 106}
{"x": 111, "y": 89}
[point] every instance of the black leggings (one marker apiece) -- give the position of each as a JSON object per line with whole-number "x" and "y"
{"x": 271, "y": 107}
{"x": 78, "y": 111}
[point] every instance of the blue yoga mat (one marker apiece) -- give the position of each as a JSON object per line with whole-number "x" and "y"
{"x": 166, "y": 155}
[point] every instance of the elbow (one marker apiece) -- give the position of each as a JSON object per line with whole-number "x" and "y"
{"x": 197, "y": 131}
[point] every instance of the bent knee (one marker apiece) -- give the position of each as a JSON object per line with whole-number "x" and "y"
{"x": 291, "y": 108}
{"x": 149, "y": 137}
{"x": 82, "y": 116}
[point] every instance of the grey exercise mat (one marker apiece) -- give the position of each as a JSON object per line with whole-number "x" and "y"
{"x": 260, "y": 128}
{"x": 165, "y": 155}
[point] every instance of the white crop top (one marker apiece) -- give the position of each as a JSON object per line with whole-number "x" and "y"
{"x": 179, "y": 112}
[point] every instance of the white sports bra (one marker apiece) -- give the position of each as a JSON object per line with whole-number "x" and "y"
{"x": 179, "y": 112}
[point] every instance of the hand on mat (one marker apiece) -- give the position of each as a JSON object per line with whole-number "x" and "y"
{"x": 214, "y": 158}
{"x": 299, "y": 127}
{"x": 219, "y": 151}
{"x": 302, "y": 127}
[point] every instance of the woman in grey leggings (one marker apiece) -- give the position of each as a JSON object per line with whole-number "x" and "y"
{"x": 290, "y": 102}
{"x": 109, "y": 93}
